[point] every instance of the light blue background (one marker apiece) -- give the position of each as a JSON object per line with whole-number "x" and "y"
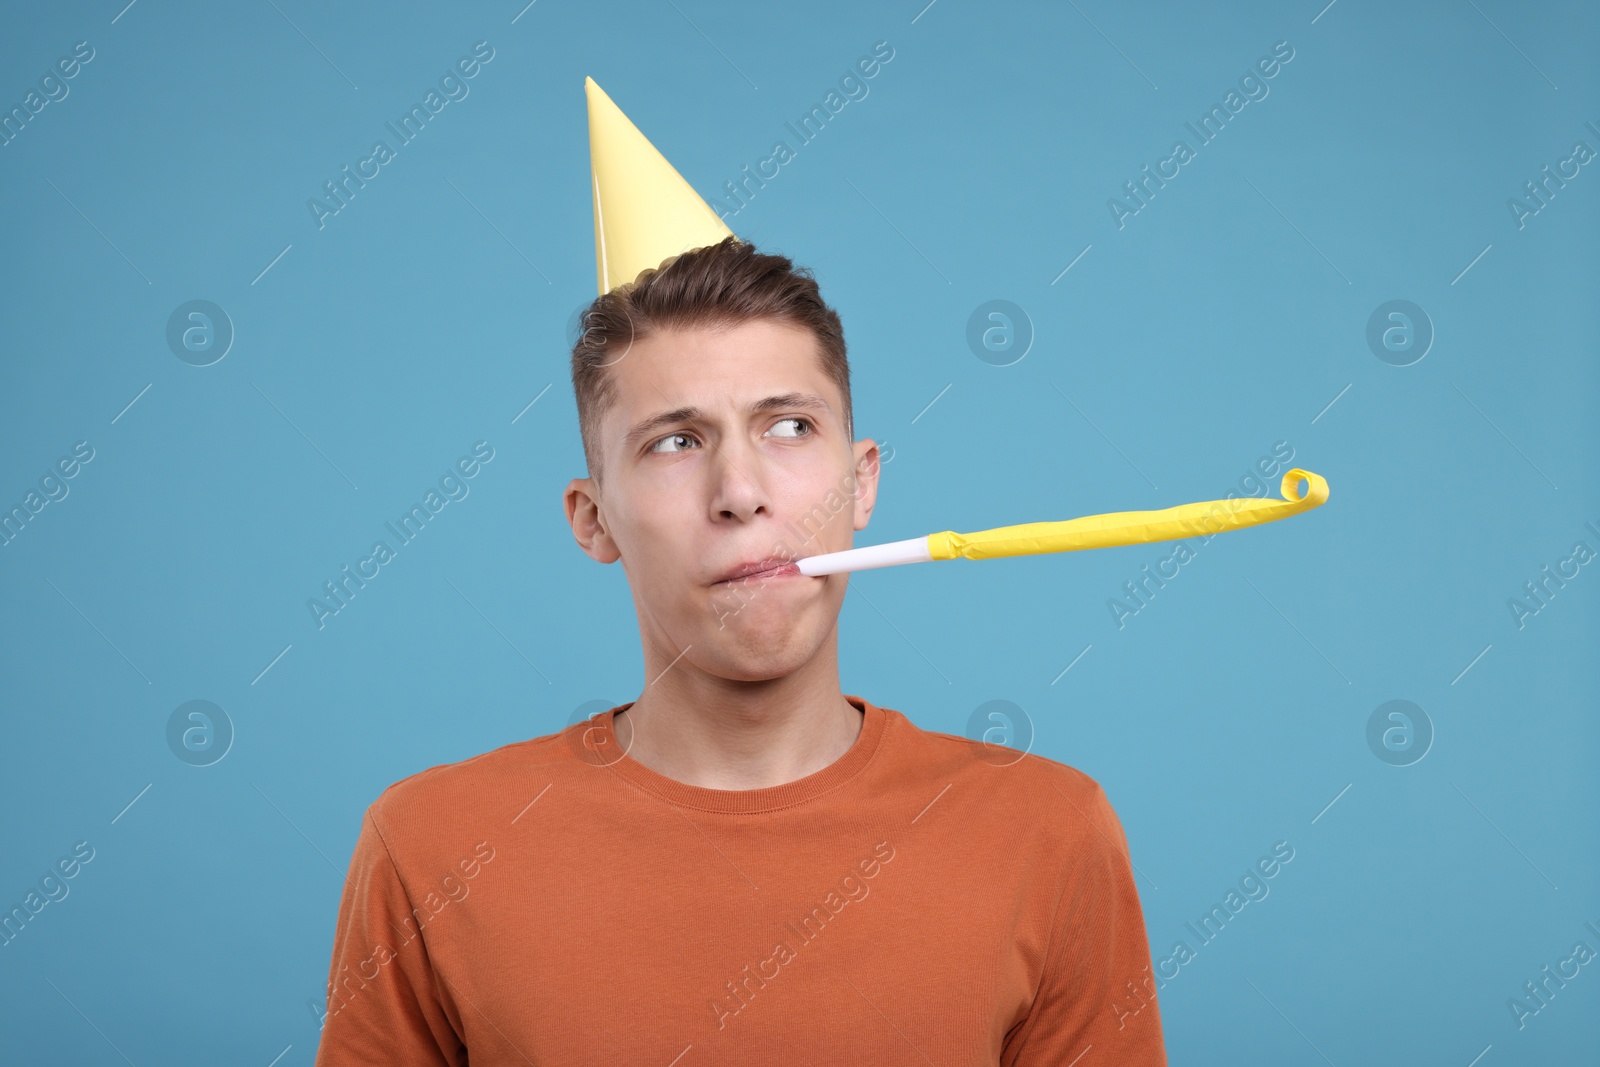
{"x": 427, "y": 314}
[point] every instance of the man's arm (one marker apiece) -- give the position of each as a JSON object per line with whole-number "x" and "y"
{"x": 383, "y": 1000}
{"x": 1097, "y": 988}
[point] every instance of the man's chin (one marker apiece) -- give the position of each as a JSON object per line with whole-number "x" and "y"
{"x": 754, "y": 646}
{"x": 760, "y": 665}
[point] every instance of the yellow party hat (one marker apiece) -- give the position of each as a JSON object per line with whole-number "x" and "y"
{"x": 644, "y": 211}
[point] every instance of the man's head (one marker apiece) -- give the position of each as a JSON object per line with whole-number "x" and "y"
{"x": 714, "y": 402}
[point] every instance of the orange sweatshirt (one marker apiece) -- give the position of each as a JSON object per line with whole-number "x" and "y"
{"x": 919, "y": 901}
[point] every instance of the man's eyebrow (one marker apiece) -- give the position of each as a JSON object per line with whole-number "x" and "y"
{"x": 645, "y": 427}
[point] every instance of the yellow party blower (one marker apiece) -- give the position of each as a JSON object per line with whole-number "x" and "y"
{"x": 1091, "y": 531}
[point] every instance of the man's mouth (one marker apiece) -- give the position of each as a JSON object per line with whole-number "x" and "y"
{"x": 760, "y": 570}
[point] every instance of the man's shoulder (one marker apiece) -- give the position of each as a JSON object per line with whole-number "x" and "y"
{"x": 1013, "y": 780}
{"x": 1033, "y": 771}
{"x": 473, "y": 789}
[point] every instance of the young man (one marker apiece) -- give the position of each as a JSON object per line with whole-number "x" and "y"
{"x": 743, "y": 865}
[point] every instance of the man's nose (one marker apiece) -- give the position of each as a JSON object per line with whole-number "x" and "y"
{"x": 739, "y": 490}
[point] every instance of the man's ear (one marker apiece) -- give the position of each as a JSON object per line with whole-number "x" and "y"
{"x": 582, "y": 501}
{"x": 867, "y": 470}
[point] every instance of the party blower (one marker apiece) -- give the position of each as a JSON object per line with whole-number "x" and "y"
{"x": 1090, "y": 531}
{"x": 644, "y": 212}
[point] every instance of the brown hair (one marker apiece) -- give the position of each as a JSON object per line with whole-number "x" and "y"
{"x": 724, "y": 284}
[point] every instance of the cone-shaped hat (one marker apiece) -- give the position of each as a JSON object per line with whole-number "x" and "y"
{"x": 643, "y": 209}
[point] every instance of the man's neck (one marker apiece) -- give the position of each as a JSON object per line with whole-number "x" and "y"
{"x": 720, "y": 734}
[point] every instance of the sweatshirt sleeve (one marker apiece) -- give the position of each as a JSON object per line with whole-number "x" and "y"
{"x": 384, "y": 1005}
{"x": 1097, "y": 989}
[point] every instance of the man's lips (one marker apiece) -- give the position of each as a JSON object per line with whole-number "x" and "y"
{"x": 760, "y": 569}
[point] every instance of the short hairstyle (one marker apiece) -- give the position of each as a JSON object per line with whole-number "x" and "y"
{"x": 724, "y": 284}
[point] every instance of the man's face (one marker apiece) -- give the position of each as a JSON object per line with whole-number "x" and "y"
{"x": 726, "y": 446}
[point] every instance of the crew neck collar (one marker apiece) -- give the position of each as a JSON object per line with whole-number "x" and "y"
{"x": 594, "y": 735}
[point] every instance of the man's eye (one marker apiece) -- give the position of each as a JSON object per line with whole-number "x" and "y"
{"x": 796, "y": 419}
{"x": 670, "y": 438}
